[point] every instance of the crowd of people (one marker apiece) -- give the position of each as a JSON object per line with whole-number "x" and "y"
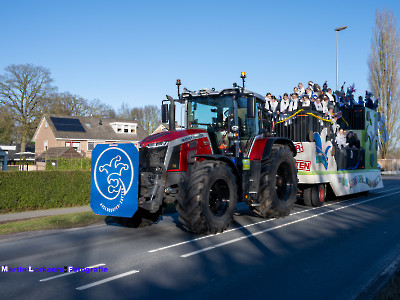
{"x": 313, "y": 97}
{"x": 322, "y": 101}
{"x": 316, "y": 98}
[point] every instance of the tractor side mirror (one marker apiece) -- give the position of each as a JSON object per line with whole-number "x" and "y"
{"x": 164, "y": 113}
{"x": 251, "y": 107}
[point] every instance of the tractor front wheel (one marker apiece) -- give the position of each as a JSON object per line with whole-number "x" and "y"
{"x": 207, "y": 200}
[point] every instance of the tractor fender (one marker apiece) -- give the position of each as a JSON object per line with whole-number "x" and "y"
{"x": 223, "y": 158}
{"x": 261, "y": 148}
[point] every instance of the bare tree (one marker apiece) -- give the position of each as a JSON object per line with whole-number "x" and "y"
{"x": 384, "y": 67}
{"x": 67, "y": 104}
{"x": 99, "y": 109}
{"x": 151, "y": 118}
{"x": 22, "y": 89}
{"x": 148, "y": 117}
{"x": 124, "y": 112}
{"x": 6, "y": 125}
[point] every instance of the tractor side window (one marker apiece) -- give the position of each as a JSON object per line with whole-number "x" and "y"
{"x": 247, "y": 127}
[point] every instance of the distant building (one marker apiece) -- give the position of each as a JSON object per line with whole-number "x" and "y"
{"x": 165, "y": 127}
{"x": 4, "y": 155}
{"x": 84, "y": 133}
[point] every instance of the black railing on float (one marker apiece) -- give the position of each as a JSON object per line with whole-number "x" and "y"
{"x": 298, "y": 125}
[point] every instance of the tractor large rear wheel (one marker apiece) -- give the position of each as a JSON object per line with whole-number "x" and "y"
{"x": 278, "y": 184}
{"x": 207, "y": 199}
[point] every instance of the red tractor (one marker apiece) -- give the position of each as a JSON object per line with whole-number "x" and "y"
{"x": 226, "y": 153}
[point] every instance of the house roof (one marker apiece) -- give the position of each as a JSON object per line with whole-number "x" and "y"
{"x": 91, "y": 128}
{"x": 59, "y": 152}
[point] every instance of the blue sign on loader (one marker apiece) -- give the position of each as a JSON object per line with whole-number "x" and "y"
{"x": 114, "y": 180}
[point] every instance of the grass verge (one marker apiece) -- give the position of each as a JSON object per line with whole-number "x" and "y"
{"x": 51, "y": 222}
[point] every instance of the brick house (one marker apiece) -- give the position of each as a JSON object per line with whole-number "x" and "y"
{"x": 84, "y": 133}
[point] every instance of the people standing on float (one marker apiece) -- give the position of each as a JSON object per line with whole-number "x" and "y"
{"x": 294, "y": 103}
{"x": 318, "y": 105}
{"x": 284, "y": 105}
{"x": 273, "y": 105}
{"x": 301, "y": 90}
{"x": 305, "y": 102}
{"x": 268, "y": 99}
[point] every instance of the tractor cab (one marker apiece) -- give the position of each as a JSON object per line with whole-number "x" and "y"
{"x": 232, "y": 118}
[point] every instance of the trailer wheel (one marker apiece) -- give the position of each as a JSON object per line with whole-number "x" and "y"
{"x": 207, "y": 200}
{"x": 278, "y": 184}
{"x": 315, "y": 195}
{"x": 307, "y": 196}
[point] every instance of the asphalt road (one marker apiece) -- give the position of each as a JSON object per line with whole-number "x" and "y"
{"x": 332, "y": 252}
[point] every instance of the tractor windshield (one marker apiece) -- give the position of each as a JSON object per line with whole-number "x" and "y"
{"x": 218, "y": 115}
{"x": 218, "y": 112}
{"x": 206, "y": 112}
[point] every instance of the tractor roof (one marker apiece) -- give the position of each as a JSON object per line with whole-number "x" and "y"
{"x": 214, "y": 93}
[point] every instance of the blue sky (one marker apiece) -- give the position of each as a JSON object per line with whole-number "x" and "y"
{"x": 133, "y": 51}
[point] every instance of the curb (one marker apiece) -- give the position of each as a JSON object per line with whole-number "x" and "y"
{"x": 374, "y": 288}
{"x": 43, "y": 213}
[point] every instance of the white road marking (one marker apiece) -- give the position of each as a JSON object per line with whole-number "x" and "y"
{"x": 235, "y": 229}
{"x": 281, "y": 226}
{"x": 68, "y": 273}
{"x": 106, "y": 280}
{"x": 249, "y": 225}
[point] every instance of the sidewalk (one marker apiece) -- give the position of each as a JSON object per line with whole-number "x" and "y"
{"x": 43, "y": 213}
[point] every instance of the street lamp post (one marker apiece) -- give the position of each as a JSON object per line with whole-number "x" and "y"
{"x": 337, "y": 60}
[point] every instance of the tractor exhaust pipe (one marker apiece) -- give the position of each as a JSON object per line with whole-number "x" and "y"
{"x": 171, "y": 113}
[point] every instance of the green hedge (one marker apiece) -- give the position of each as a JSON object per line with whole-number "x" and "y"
{"x": 60, "y": 164}
{"x": 24, "y": 191}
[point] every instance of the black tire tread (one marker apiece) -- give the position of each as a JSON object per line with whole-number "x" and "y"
{"x": 191, "y": 214}
{"x": 270, "y": 206}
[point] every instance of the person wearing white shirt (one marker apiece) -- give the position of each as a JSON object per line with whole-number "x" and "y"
{"x": 294, "y": 103}
{"x": 301, "y": 90}
{"x": 273, "y": 105}
{"x": 318, "y": 105}
{"x": 330, "y": 96}
{"x": 284, "y": 105}
{"x": 305, "y": 101}
{"x": 341, "y": 139}
{"x": 325, "y": 104}
{"x": 309, "y": 92}
{"x": 267, "y": 100}
{"x": 311, "y": 85}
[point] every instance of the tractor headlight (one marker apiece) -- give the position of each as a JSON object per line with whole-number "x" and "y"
{"x": 157, "y": 144}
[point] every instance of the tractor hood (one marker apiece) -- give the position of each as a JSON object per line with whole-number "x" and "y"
{"x": 168, "y": 136}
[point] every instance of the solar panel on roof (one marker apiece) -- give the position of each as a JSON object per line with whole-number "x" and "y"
{"x": 67, "y": 124}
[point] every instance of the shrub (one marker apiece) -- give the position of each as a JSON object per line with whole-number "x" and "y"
{"x": 68, "y": 164}
{"x": 23, "y": 191}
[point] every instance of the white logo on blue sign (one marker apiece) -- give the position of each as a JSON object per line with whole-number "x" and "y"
{"x": 113, "y": 177}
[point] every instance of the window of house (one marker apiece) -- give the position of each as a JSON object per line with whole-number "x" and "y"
{"x": 76, "y": 145}
{"x": 45, "y": 145}
{"x": 129, "y": 128}
{"x": 90, "y": 146}
{"x": 45, "y": 124}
